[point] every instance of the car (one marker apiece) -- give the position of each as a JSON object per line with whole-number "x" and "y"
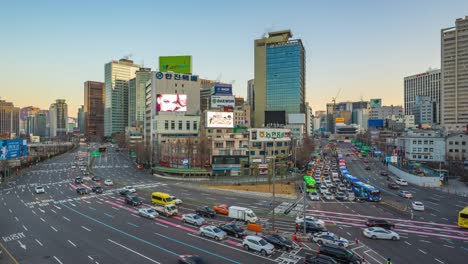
{"x": 279, "y": 242}
{"x": 213, "y": 232}
{"x": 393, "y": 186}
{"x": 133, "y": 200}
{"x": 193, "y": 219}
{"x": 405, "y": 194}
{"x": 97, "y": 189}
{"x": 205, "y": 211}
{"x": 81, "y": 190}
{"x": 108, "y": 182}
{"x": 351, "y": 196}
{"x": 380, "y": 233}
{"x": 78, "y": 180}
{"x": 340, "y": 254}
{"x": 341, "y": 187}
{"x": 319, "y": 259}
{"x": 330, "y": 239}
{"x": 96, "y": 178}
{"x": 39, "y": 189}
{"x": 176, "y": 200}
{"x": 401, "y": 182}
{"x": 125, "y": 192}
{"x": 73, "y": 166}
{"x": 314, "y": 196}
{"x": 191, "y": 259}
{"x": 341, "y": 196}
{"x": 418, "y": 206}
{"x": 258, "y": 244}
{"x": 383, "y": 173}
{"x": 374, "y": 222}
{"x": 130, "y": 188}
{"x": 323, "y": 189}
{"x": 85, "y": 173}
{"x": 148, "y": 212}
{"x": 328, "y": 196}
{"x": 309, "y": 219}
{"x": 232, "y": 230}
{"x": 365, "y": 161}
{"x": 221, "y": 209}
{"x": 312, "y": 227}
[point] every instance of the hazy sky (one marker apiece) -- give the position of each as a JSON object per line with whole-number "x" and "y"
{"x": 49, "y": 48}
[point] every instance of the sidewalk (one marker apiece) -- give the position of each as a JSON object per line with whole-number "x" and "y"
{"x": 455, "y": 186}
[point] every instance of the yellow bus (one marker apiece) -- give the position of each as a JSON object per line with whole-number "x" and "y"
{"x": 161, "y": 198}
{"x": 463, "y": 218}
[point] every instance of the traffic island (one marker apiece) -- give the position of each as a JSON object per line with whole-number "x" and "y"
{"x": 283, "y": 190}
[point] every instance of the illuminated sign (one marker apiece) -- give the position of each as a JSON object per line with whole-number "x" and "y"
{"x": 220, "y": 101}
{"x": 177, "y": 64}
{"x": 222, "y": 89}
{"x": 176, "y": 76}
{"x": 13, "y": 148}
{"x": 270, "y": 134}
{"x": 171, "y": 103}
{"x": 219, "y": 120}
{"x": 339, "y": 120}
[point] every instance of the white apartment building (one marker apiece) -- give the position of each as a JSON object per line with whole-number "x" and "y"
{"x": 384, "y": 112}
{"x": 457, "y": 146}
{"x": 423, "y": 145}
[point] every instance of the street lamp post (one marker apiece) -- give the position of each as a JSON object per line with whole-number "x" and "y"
{"x": 274, "y": 180}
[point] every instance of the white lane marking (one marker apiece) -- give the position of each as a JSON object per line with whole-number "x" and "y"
{"x": 42, "y": 211}
{"x": 10, "y": 210}
{"x": 422, "y": 251}
{"x": 17, "y": 219}
{"x": 66, "y": 219}
{"x": 448, "y": 246}
{"x": 131, "y": 250}
{"x": 25, "y": 228}
{"x": 57, "y": 207}
{"x": 85, "y": 228}
{"x": 42, "y": 219}
{"x": 53, "y": 211}
{"x": 54, "y": 228}
{"x": 408, "y": 243}
{"x": 425, "y": 241}
{"x": 91, "y": 258}
{"x": 39, "y": 242}
{"x": 159, "y": 224}
{"x": 438, "y": 260}
{"x": 34, "y": 212}
{"x": 71, "y": 243}
{"x": 115, "y": 208}
{"x": 58, "y": 260}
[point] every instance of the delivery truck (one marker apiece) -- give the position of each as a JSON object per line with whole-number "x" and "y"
{"x": 242, "y": 213}
{"x": 166, "y": 210}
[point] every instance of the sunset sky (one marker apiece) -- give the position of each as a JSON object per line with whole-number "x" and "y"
{"x": 50, "y": 48}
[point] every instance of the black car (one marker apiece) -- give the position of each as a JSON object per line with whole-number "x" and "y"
{"x": 340, "y": 254}
{"x": 279, "y": 242}
{"x": 191, "y": 259}
{"x": 205, "y": 211}
{"x": 232, "y": 230}
{"x": 312, "y": 227}
{"x": 97, "y": 189}
{"x": 133, "y": 200}
{"x": 383, "y": 173}
{"x": 96, "y": 178}
{"x": 81, "y": 190}
{"x": 371, "y": 222}
{"x": 319, "y": 259}
{"x": 125, "y": 192}
{"x": 78, "y": 180}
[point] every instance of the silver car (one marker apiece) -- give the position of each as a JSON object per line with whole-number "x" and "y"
{"x": 314, "y": 196}
{"x": 213, "y": 232}
{"x": 148, "y": 212}
{"x": 193, "y": 219}
{"x": 380, "y": 233}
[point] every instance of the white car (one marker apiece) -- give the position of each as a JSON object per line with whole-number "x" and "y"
{"x": 73, "y": 167}
{"x": 310, "y": 219}
{"x": 330, "y": 239}
{"x": 314, "y": 196}
{"x": 39, "y": 189}
{"x": 176, "y": 200}
{"x": 401, "y": 182}
{"x": 193, "y": 219}
{"x": 130, "y": 188}
{"x": 108, "y": 182}
{"x": 148, "y": 212}
{"x": 417, "y": 206}
{"x": 380, "y": 233}
{"x": 213, "y": 232}
{"x": 258, "y": 244}
{"x": 323, "y": 189}
{"x": 328, "y": 195}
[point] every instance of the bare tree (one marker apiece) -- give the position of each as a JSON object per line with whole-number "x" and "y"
{"x": 256, "y": 172}
{"x": 203, "y": 151}
{"x": 304, "y": 153}
{"x": 120, "y": 139}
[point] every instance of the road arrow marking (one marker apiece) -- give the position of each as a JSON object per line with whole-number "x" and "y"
{"x": 22, "y": 245}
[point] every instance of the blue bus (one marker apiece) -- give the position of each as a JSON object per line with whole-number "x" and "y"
{"x": 366, "y": 191}
{"x": 351, "y": 179}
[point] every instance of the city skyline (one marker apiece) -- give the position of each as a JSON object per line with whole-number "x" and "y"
{"x": 60, "y": 48}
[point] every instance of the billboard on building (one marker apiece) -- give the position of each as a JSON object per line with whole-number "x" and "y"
{"x": 296, "y": 119}
{"x": 177, "y": 64}
{"x": 219, "y": 120}
{"x": 375, "y": 103}
{"x": 222, "y": 101}
{"x": 274, "y": 118}
{"x": 270, "y": 134}
{"x": 171, "y": 103}
{"x": 13, "y": 148}
{"x": 221, "y": 89}
{"x": 339, "y": 120}
{"x": 375, "y": 123}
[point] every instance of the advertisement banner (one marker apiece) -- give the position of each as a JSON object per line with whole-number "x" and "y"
{"x": 221, "y": 101}
{"x": 171, "y": 103}
{"x": 374, "y": 103}
{"x": 13, "y": 148}
{"x": 339, "y": 120}
{"x": 221, "y": 89}
{"x": 375, "y": 123}
{"x": 270, "y": 134}
{"x": 177, "y": 64}
{"x": 219, "y": 120}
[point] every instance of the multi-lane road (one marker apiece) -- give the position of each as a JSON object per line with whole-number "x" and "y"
{"x": 62, "y": 227}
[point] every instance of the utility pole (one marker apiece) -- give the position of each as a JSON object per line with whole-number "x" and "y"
{"x": 304, "y": 210}
{"x": 274, "y": 180}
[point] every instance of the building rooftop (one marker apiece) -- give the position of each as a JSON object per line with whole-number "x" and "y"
{"x": 279, "y": 33}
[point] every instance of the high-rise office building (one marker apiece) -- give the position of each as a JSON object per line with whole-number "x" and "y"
{"x": 94, "y": 94}
{"x": 116, "y": 79}
{"x": 136, "y": 97}
{"x": 251, "y": 99}
{"x": 9, "y": 119}
{"x": 58, "y": 118}
{"x": 384, "y": 112}
{"x": 454, "y": 75}
{"x": 81, "y": 120}
{"x": 422, "y": 84}
{"x": 279, "y": 75}
{"x": 424, "y": 111}
{"x": 41, "y": 124}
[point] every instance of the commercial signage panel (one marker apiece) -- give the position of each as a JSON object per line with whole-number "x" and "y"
{"x": 339, "y": 120}
{"x": 176, "y": 76}
{"x": 270, "y": 134}
{"x": 171, "y": 103}
{"x": 221, "y": 101}
{"x": 13, "y": 148}
{"x": 375, "y": 123}
{"x": 221, "y": 89}
{"x": 374, "y": 103}
{"x": 177, "y": 64}
{"x": 219, "y": 120}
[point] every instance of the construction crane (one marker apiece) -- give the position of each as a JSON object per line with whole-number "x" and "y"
{"x": 334, "y": 101}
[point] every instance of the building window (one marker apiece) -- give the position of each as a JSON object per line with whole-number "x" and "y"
{"x": 450, "y": 142}
{"x": 414, "y": 142}
{"x": 431, "y": 142}
{"x": 262, "y": 152}
{"x": 166, "y": 124}
{"x": 419, "y": 156}
{"x": 425, "y": 157}
{"x": 219, "y": 131}
{"x": 425, "y": 142}
{"x": 269, "y": 144}
{"x": 229, "y": 144}
{"x": 187, "y": 125}
{"x": 450, "y": 150}
{"x": 414, "y": 156}
{"x": 252, "y": 152}
{"x": 456, "y": 142}
{"x": 419, "y": 142}
{"x": 456, "y": 150}
{"x": 172, "y": 125}
{"x": 180, "y": 124}
{"x": 426, "y": 150}
{"x": 195, "y": 125}
{"x": 279, "y": 144}
{"x": 431, "y": 150}
{"x": 463, "y": 143}
{"x": 414, "y": 149}
{"x": 419, "y": 149}
{"x": 219, "y": 145}
{"x": 257, "y": 144}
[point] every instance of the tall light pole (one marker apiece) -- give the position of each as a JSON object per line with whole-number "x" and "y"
{"x": 274, "y": 180}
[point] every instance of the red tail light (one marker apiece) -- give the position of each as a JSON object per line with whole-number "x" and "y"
{"x": 318, "y": 251}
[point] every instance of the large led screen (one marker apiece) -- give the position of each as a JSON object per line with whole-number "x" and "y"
{"x": 220, "y": 119}
{"x": 171, "y": 103}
